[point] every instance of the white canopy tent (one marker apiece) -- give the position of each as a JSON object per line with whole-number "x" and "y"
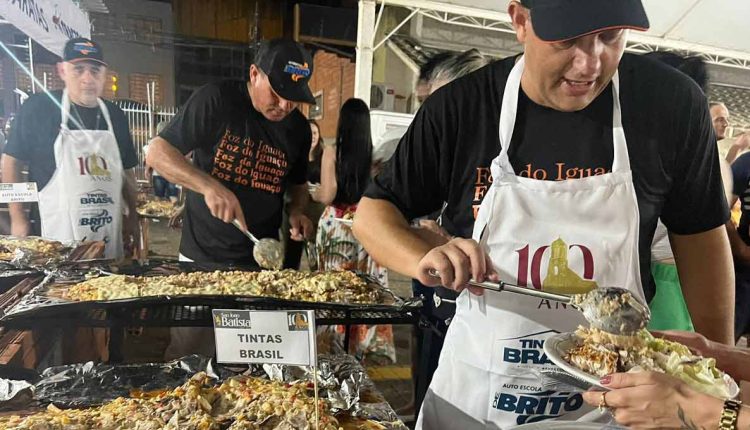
{"x": 49, "y": 23}
{"x": 716, "y": 30}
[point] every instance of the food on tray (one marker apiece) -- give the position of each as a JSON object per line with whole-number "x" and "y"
{"x": 237, "y": 404}
{"x": 157, "y": 208}
{"x": 105, "y": 288}
{"x": 42, "y": 251}
{"x": 40, "y": 247}
{"x": 336, "y": 287}
{"x": 600, "y": 353}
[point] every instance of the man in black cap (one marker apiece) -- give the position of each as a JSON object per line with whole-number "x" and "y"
{"x": 587, "y": 148}
{"x": 79, "y": 152}
{"x": 249, "y": 144}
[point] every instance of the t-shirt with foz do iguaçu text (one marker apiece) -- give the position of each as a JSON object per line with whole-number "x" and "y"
{"x": 255, "y": 158}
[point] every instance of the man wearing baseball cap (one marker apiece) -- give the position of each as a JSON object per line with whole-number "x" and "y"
{"x": 79, "y": 151}
{"x": 587, "y": 148}
{"x": 249, "y": 144}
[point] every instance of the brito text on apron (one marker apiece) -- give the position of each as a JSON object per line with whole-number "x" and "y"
{"x": 566, "y": 237}
{"x": 83, "y": 199}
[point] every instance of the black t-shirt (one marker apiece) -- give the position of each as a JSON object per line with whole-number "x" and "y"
{"x": 741, "y": 185}
{"x": 447, "y": 151}
{"x": 35, "y": 129}
{"x": 253, "y": 157}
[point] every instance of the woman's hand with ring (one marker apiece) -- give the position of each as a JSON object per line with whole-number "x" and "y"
{"x": 603, "y": 402}
{"x": 650, "y": 400}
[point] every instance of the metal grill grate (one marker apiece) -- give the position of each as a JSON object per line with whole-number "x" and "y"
{"x": 172, "y": 315}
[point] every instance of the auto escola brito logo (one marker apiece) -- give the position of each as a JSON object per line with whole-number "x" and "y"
{"x": 95, "y": 220}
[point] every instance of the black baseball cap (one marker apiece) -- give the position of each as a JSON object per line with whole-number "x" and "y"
{"x": 82, "y": 49}
{"x": 289, "y": 67}
{"x": 559, "y": 20}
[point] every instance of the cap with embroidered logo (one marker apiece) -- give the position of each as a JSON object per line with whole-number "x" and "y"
{"x": 289, "y": 68}
{"x": 82, "y": 49}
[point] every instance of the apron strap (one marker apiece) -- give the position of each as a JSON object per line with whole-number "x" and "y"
{"x": 621, "y": 159}
{"x": 105, "y": 113}
{"x": 64, "y": 110}
{"x": 501, "y": 164}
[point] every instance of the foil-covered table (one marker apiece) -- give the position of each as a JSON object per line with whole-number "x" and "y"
{"x": 342, "y": 383}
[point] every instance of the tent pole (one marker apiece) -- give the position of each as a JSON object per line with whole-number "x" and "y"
{"x": 365, "y": 38}
{"x": 31, "y": 65}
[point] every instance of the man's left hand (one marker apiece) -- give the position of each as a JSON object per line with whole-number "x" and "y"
{"x": 301, "y": 226}
{"x": 175, "y": 221}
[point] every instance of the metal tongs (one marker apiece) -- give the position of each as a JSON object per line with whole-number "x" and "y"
{"x": 611, "y": 309}
{"x": 268, "y": 253}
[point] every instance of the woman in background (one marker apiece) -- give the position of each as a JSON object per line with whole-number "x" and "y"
{"x": 315, "y": 155}
{"x": 344, "y": 175}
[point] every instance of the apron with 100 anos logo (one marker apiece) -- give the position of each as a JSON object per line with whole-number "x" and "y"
{"x": 83, "y": 199}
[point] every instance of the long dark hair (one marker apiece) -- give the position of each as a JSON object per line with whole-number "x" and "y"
{"x": 313, "y": 169}
{"x": 353, "y": 152}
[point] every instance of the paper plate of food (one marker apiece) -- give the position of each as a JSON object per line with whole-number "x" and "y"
{"x": 589, "y": 354}
{"x": 157, "y": 209}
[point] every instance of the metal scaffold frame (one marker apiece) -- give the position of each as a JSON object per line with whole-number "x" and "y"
{"x": 710, "y": 55}
{"x": 500, "y": 22}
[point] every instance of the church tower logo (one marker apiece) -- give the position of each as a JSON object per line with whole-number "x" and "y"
{"x": 561, "y": 278}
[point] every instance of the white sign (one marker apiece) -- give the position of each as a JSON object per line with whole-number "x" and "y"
{"x": 50, "y": 23}
{"x": 21, "y": 192}
{"x": 276, "y": 337}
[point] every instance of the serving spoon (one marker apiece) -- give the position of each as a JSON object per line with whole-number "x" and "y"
{"x": 611, "y": 309}
{"x": 267, "y": 252}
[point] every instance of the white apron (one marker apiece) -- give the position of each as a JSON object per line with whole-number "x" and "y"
{"x": 566, "y": 237}
{"x": 83, "y": 199}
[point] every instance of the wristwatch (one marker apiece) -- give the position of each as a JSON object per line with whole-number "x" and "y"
{"x": 728, "y": 420}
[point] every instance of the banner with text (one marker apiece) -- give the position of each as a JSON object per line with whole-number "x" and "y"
{"x": 276, "y": 337}
{"x": 49, "y": 23}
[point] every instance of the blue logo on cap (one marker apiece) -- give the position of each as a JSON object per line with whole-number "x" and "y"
{"x": 85, "y": 48}
{"x": 297, "y": 70}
